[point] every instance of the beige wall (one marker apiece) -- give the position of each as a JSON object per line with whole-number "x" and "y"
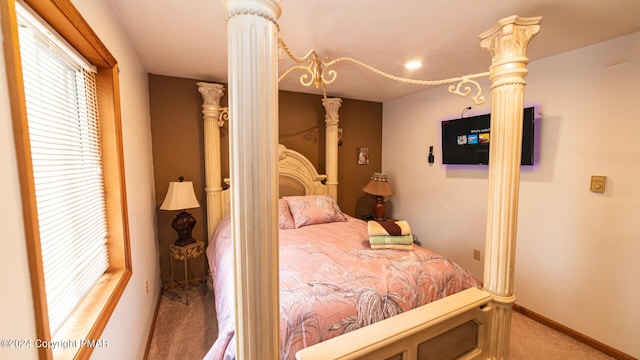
{"x": 128, "y": 329}
{"x": 575, "y": 249}
{"x": 17, "y": 319}
{"x": 176, "y": 113}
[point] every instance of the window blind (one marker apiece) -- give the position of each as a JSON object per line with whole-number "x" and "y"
{"x": 64, "y": 135}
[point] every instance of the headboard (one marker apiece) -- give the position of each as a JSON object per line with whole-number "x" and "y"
{"x": 297, "y": 175}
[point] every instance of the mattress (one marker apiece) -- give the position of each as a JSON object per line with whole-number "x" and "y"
{"x": 332, "y": 282}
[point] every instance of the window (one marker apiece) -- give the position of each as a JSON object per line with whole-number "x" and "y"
{"x": 65, "y": 154}
{"x": 68, "y": 138}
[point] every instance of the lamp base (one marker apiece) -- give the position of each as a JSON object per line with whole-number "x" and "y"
{"x": 183, "y": 224}
{"x": 380, "y": 208}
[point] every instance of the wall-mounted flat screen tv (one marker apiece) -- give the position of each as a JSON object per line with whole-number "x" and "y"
{"x": 466, "y": 141}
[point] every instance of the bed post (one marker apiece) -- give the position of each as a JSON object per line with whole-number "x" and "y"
{"x": 507, "y": 42}
{"x": 331, "y": 120}
{"x": 211, "y": 109}
{"x": 252, "y": 41}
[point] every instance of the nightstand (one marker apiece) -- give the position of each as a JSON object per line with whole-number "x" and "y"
{"x": 184, "y": 254}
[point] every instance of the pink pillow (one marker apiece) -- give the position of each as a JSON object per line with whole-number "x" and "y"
{"x": 285, "y": 221}
{"x": 314, "y": 209}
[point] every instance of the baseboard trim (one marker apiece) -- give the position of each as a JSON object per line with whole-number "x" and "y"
{"x": 606, "y": 349}
{"x": 153, "y": 326}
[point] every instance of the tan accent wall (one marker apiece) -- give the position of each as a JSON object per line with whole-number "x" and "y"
{"x": 177, "y": 134}
{"x": 302, "y": 128}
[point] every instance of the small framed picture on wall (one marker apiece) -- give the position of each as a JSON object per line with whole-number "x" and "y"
{"x": 363, "y": 156}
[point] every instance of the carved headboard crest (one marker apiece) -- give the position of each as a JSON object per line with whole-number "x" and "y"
{"x": 294, "y": 167}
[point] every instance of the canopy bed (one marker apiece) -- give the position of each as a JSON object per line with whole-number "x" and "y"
{"x": 473, "y": 319}
{"x": 331, "y": 281}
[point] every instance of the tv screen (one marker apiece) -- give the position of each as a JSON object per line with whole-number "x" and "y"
{"x": 466, "y": 140}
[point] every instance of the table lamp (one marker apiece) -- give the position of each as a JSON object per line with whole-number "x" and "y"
{"x": 180, "y": 196}
{"x": 379, "y": 186}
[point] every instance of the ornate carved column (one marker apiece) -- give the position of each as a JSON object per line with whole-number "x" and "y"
{"x": 253, "y": 105}
{"x": 507, "y": 42}
{"x": 331, "y": 120}
{"x": 211, "y": 109}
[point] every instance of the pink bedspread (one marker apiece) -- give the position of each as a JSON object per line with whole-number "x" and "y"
{"x": 332, "y": 282}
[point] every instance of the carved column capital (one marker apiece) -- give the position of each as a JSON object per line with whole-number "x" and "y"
{"x": 510, "y": 36}
{"x": 211, "y": 93}
{"x": 331, "y": 106}
{"x": 507, "y": 42}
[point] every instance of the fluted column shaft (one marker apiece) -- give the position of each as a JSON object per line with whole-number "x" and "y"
{"x": 253, "y": 107}
{"x": 507, "y": 42}
{"x": 332, "y": 119}
{"x": 211, "y": 109}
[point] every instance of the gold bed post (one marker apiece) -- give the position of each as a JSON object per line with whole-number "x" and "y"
{"x": 507, "y": 41}
{"x": 331, "y": 120}
{"x": 252, "y": 34}
{"x": 211, "y": 109}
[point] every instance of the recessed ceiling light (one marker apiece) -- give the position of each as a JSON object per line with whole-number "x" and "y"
{"x": 413, "y": 65}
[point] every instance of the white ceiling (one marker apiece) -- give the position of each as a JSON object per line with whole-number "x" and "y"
{"x": 188, "y": 38}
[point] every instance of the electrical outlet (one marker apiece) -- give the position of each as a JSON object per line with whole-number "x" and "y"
{"x": 146, "y": 286}
{"x": 476, "y": 254}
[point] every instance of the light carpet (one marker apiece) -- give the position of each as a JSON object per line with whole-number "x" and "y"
{"x": 532, "y": 340}
{"x": 184, "y": 332}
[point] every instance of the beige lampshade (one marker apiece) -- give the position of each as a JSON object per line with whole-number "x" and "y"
{"x": 180, "y": 196}
{"x": 378, "y": 185}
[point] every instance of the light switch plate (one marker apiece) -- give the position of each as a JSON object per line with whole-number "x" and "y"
{"x": 598, "y": 183}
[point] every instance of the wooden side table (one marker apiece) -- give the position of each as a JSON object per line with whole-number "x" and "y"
{"x": 184, "y": 254}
